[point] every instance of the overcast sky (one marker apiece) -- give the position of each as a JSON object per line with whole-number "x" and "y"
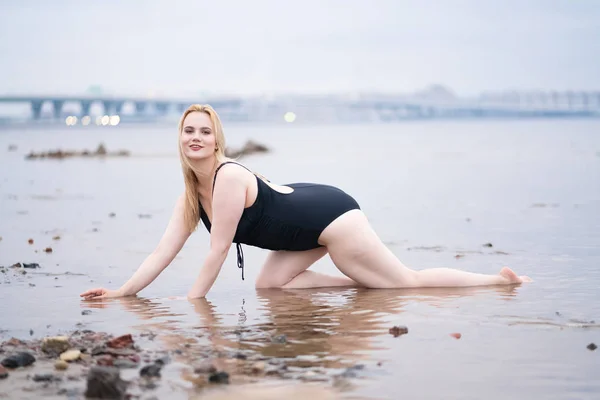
{"x": 229, "y": 46}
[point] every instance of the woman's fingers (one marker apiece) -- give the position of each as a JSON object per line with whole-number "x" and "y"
{"x": 92, "y": 292}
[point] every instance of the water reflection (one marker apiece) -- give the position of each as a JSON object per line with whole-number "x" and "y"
{"x": 312, "y": 329}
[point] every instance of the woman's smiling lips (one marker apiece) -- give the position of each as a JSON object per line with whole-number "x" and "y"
{"x": 195, "y": 147}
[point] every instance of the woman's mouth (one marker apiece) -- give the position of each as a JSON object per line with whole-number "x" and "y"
{"x": 196, "y": 147}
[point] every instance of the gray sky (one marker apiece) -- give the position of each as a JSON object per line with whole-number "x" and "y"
{"x": 239, "y": 46}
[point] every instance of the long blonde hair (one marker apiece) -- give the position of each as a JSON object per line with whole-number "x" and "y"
{"x": 192, "y": 197}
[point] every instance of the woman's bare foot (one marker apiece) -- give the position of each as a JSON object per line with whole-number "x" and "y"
{"x": 511, "y": 277}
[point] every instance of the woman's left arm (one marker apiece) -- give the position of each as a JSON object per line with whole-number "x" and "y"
{"x": 229, "y": 200}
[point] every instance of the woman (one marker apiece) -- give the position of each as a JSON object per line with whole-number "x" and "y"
{"x": 300, "y": 223}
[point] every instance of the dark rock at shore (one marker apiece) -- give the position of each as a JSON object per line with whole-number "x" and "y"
{"x": 219, "y": 377}
{"x": 105, "y": 383}
{"x": 21, "y": 359}
{"x": 152, "y": 371}
{"x": 250, "y": 147}
{"x": 398, "y": 330}
{"x": 62, "y": 154}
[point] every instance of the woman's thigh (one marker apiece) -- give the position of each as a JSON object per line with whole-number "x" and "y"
{"x": 359, "y": 253}
{"x": 283, "y": 266}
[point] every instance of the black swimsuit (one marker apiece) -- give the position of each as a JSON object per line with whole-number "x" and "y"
{"x": 287, "y": 221}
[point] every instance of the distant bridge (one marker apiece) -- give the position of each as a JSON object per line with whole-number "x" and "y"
{"x": 514, "y": 104}
{"x": 110, "y": 104}
{"x": 378, "y": 107}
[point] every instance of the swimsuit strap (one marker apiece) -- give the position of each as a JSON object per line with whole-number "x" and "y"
{"x": 219, "y": 167}
{"x": 240, "y": 252}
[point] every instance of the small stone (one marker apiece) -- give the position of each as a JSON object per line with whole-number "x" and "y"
{"x": 57, "y": 237}
{"x": 31, "y": 265}
{"x": 3, "y": 372}
{"x": 125, "y": 363}
{"x": 70, "y": 355}
{"x": 44, "y": 378}
{"x": 105, "y": 383}
{"x": 112, "y": 215}
{"x": 207, "y": 367}
{"x": 487, "y": 245}
{"x": 259, "y": 367}
{"x": 279, "y": 339}
{"x": 30, "y": 241}
{"x": 398, "y": 330}
{"x": 86, "y": 312}
{"x": 32, "y": 284}
{"x": 121, "y": 342}
{"x": 592, "y": 346}
{"x": 219, "y": 377}
{"x": 48, "y": 249}
{"x": 31, "y": 330}
{"x": 21, "y": 359}
{"x": 55, "y": 345}
{"x": 456, "y": 335}
{"x": 151, "y": 370}
{"x": 105, "y": 360}
{"x": 61, "y": 365}
{"x": 240, "y": 356}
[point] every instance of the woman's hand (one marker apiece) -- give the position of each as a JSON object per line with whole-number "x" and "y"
{"x": 100, "y": 293}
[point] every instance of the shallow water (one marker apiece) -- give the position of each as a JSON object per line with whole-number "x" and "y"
{"x": 431, "y": 190}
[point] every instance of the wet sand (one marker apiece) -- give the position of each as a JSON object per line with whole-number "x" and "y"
{"x": 460, "y": 195}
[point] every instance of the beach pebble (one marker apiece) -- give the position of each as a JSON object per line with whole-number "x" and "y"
{"x": 21, "y": 359}
{"x": 45, "y": 378}
{"x": 30, "y": 241}
{"x": 70, "y": 355}
{"x": 86, "y": 312}
{"x": 398, "y": 330}
{"x": 48, "y": 249}
{"x": 259, "y": 367}
{"x": 105, "y": 383}
{"x": 124, "y": 363}
{"x": 61, "y": 365}
{"x": 592, "y": 346}
{"x": 206, "y": 367}
{"x": 105, "y": 360}
{"x": 120, "y": 342}
{"x": 55, "y": 345}
{"x": 219, "y": 377}
{"x": 456, "y": 335}
{"x": 279, "y": 339}
{"x": 152, "y": 370}
{"x": 487, "y": 245}
{"x": 31, "y": 265}
{"x": 3, "y": 372}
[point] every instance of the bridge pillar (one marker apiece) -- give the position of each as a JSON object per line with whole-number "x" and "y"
{"x": 58, "y": 105}
{"x": 162, "y": 107}
{"x": 36, "y": 109}
{"x": 85, "y": 108}
{"x": 140, "y": 107}
{"x": 108, "y": 107}
{"x": 119, "y": 107}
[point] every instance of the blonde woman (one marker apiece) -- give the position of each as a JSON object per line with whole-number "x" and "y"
{"x": 300, "y": 223}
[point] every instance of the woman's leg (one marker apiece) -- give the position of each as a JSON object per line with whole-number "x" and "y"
{"x": 288, "y": 270}
{"x": 359, "y": 253}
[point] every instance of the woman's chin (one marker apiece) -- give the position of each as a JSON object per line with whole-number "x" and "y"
{"x": 196, "y": 155}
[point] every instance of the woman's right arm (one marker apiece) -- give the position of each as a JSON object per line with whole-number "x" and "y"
{"x": 168, "y": 247}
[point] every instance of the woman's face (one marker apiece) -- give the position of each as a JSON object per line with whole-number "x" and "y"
{"x": 198, "y": 139}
